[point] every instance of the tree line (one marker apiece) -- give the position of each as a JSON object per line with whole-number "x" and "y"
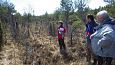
{"x": 72, "y": 12}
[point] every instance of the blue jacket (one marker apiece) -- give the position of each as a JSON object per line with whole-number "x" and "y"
{"x": 90, "y": 28}
{"x": 103, "y": 40}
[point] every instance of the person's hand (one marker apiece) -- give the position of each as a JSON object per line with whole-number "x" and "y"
{"x": 91, "y": 37}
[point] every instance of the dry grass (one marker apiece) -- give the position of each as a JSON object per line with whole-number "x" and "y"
{"x": 41, "y": 50}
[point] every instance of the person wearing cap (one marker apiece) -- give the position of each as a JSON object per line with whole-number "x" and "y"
{"x": 61, "y": 33}
{"x": 103, "y": 40}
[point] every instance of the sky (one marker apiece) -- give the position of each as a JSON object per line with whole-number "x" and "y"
{"x": 41, "y": 6}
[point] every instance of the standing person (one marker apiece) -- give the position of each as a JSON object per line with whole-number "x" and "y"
{"x": 61, "y": 33}
{"x": 103, "y": 40}
{"x": 90, "y": 29}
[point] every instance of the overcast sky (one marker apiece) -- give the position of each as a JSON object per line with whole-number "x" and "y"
{"x": 41, "y": 6}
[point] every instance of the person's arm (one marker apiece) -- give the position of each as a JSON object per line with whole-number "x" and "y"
{"x": 64, "y": 30}
{"x": 107, "y": 39}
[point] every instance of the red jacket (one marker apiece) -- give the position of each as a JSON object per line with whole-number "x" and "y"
{"x": 61, "y": 32}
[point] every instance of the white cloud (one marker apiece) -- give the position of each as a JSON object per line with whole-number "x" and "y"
{"x": 39, "y": 6}
{"x": 96, "y": 3}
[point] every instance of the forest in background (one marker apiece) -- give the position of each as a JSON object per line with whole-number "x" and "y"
{"x": 32, "y": 39}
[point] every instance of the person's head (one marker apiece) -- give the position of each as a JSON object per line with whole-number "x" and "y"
{"x": 89, "y": 18}
{"x": 101, "y": 16}
{"x": 60, "y": 22}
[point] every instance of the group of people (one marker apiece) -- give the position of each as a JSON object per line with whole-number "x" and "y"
{"x": 100, "y": 36}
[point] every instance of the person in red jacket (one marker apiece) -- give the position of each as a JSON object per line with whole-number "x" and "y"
{"x": 61, "y": 33}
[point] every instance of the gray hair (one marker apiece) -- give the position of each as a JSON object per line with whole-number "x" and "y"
{"x": 103, "y": 13}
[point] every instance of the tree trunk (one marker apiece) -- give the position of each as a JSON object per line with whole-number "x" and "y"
{"x": 66, "y": 20}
